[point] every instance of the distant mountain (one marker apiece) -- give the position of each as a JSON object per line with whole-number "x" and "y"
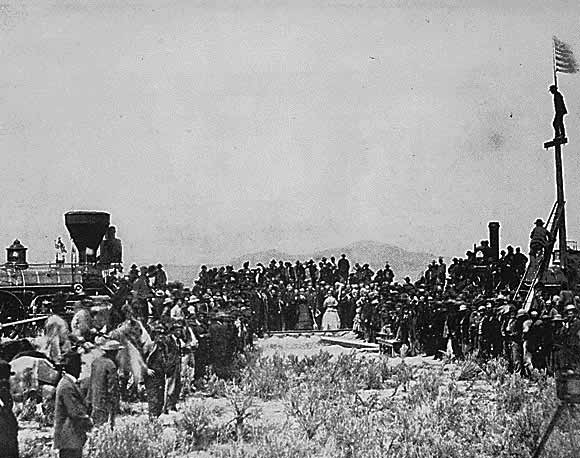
{"x": 184, "y": 274}
{"x": 404, "y": 263}
{"x": 262, "y": 256}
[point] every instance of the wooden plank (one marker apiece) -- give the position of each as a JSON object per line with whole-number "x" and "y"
{"x": 556, "y": 141}
{"x": 28, "y": 320}
{"x": 351, "y": 343}
{"x": 306, "y": 331}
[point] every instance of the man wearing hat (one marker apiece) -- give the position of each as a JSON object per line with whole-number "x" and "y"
{"x": 160, "y": 278}
{"x": 8, "y": 423}
{"x": 156, "y": 358}
{"x": 559, "y": 112}
{"x": 103, "y": 393}
{"x": 141, "y": 293}
{"x": 133, "y": 273}
{"x": 539, "y": 238}
{"x": 71, "y": 417}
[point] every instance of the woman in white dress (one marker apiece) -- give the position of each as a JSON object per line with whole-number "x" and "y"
{"x": 330, "y": 319}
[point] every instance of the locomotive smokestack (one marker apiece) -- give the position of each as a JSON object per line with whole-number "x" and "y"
{"x": 494, "y": 239}
{"x": 87, "y": 230}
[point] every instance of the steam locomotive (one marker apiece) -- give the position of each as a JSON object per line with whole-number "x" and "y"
{"x": 24, "y": 286}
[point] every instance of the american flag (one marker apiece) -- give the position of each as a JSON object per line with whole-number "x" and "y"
{"x": 564, "y": 59}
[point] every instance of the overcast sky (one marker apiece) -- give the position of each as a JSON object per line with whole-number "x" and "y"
{"x": 210, "y": 131}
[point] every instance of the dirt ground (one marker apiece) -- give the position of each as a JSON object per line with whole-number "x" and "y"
{"x": 271, "y": 412}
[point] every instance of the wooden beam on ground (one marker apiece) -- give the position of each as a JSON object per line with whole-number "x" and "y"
{"x": 19, "y": 322}
{"x": 306, "y": 331}
{"x": 350, "y": 343}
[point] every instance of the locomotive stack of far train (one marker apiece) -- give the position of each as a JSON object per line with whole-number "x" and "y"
{"x": 25, "y": 286}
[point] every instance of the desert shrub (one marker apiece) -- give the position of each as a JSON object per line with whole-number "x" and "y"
{"x": 271, "y": 377}
{"x": 426, "y": 388}
{"x": 242, "y": 402}
{"x": 138, "y": 438}
{"x": 311, "y": 403}
{"x": 496, "y": 370}
{"x": 307, "y": 364}
{"x": 197, "y": 424}
{"x": 402, "y": 376}
{"x": 267, "y": 378}
{"x": 513, "y": 394}
{"x": 213, "y": 385}
{"x": 36, "y": 449}
{"x": 360, "y": 373}
{"x": 274, "y": 443}
{"x": 469, "y": 369}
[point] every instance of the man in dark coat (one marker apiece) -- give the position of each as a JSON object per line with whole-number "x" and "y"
{"x": 540, "y": 237}
{"x": 560, "y": 111}
{"x": 103, "y": 393}
{"x": 343, "y": 268}
{"x": 156, "y": 360}
{"x": 71, "y": 417}
{"x": 173, "y": 368}
{"x": 160, "y": 277}
{"x": 8, "y": 423}
{"x": 141, "y": 293}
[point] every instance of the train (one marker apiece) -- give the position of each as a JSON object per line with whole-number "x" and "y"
{"x": 25, "y": 287}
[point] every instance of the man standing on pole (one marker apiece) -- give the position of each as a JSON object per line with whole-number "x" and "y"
{"x": 560, "y": 111}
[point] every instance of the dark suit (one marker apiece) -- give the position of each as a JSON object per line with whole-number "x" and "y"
{"x": 8, "y": 423}
{"x": 103, "y": 396}
{"x": 560, "y": 111}
{"x": 71, "y": 419}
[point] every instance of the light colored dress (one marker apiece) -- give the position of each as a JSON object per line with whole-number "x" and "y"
{"x": 330, "y": 319}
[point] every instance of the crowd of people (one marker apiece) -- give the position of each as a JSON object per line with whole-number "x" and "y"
{"x": 177, "y": 332}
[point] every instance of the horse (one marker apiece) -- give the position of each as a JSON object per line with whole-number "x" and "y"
{"x": 135, "y": 341}
{"x": 56, "y": 340}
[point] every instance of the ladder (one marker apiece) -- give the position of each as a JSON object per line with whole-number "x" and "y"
{"x": 537, "y": 267}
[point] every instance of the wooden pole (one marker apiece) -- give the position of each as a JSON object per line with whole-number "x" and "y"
{"x": 560, "y": 200}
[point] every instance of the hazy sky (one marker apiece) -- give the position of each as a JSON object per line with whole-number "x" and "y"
{"x": 210, "y": 131}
